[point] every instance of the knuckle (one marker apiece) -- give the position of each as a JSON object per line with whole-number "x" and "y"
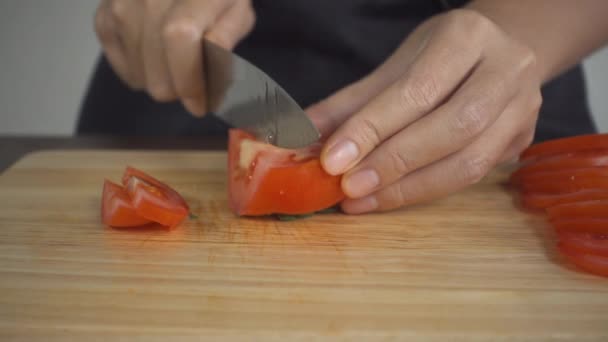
{"x": 394, "y": 197}
{"x": 119, "y": 9}
{"x": 471, "y": 120}
{"x": 474, "y": 169}
{"x": 400, "y": 164}
{"x": 419, "y": 92}
{"x": 536, "y": 102}
{"x": 469, "y": 23}
{"x": 161, "y": 93}
{"x": 102, "y": 28}
{"x": 181, "y": 28}
{"x": 369, "y": 132}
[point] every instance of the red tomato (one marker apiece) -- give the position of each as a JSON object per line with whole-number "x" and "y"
{"x": 582, "y": 160}
{"x": 595, "y": 264}
{"x": 153, "y": 199}
{"x": 265, "y": 179}
{"x": 582, "y": 225}
{"x": 589, "y": 142}
{"x": 542, "y": 201}
{"x": 587, "y": 209}
{"x": 565, "y": 181}
{"x": 585, "y": 243}
{"x": 116, "y": 207}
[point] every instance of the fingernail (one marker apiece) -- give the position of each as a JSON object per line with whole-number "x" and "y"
{"x": 194, "y": 106}
{"x": 340, "y": 156}
{"x": 360, "y": 206}
{"x": 361, "y": 183}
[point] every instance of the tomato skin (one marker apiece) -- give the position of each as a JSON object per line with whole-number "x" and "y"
{"x": 570, "y": 161}
{"x": 536, "y": 201}
{"x": 565, "y": 181}
{"x": 117, "y": 209}
{"x": 581, "y": 225}
{"x": 275, "y": 182}
{"x": 153, "y": 199}
{"x": 595, "y": 264}
{"x": 584, "y": 243}
{"x": 588, "y": 142}
{"x": 586, "y": 209}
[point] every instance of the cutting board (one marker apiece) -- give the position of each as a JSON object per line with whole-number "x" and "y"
{"x": 469, "y": 267}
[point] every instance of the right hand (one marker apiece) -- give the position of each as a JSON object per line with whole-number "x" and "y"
{"x": 156, "y": 45}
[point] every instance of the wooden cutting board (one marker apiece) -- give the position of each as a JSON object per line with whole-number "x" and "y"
{"x": 469, "y": 267}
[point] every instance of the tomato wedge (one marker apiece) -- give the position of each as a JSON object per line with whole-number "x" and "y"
{"x": 117, "y": 209}
{"x": 582, "y": 225}
{"x": 542, "y": 201}
{"x": 588, "y": 142}
{"x": 584, "y": 243}
{"x": 264, "y": 179}
{"x": 153, "y": 199}
{"x": 586, "y": 209}
{"x": 582, "y": 160}
{"x": 595, "y": 264}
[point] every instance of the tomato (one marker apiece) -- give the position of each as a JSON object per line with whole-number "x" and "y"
{"x": 565, "y": 181}
{"x": 153, "y": 199}
{"x": 265, "y": 179}
{"x": 542, "y": 201}
{"x": 582, "y": 160}
{"x": 582, "y": 225}
{"x": 117, "y": 209}
{"x": 585, "y": 243}
{"x": 585, "y": 209}
{"x": 595, "y": 264}
{"x": 589, "y": 142}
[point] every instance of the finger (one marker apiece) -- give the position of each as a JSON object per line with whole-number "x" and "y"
{"x": 156, "y": 68}
{"x": 439, "y": 68}
{"x": 233, "y": 25}
{"x": 127, "y": 18}
{"x": 518, "y": 144}
{"x": 183, "y": 32}
{"x": 466, "y": 167}
{"x": 451, "y": 127}
{"x": 110, "y": 43}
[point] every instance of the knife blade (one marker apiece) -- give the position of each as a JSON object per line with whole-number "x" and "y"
{"x": 245, "y": 97}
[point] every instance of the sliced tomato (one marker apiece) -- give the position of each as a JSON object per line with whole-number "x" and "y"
{"x": 153, "y": 199}
{"x": 587, "y": 209}
{"x": 582, "y": 225}
{"x": 117, "y": 209}
{"x": 265, "y": 179}
{"x": 542, "y": 201}
{"x": 589, "y": 142}
{"x": 565, "y": 181}
{"x": 595, "y": 264}
{"x": 585, "y": 243}
{"x": 582, "y": 160}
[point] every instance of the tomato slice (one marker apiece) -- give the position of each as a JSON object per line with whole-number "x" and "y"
{"x": 542, "y": 201}
{"x": 582, "y": 160}
{"x": 582, "y": 225}
{"x": 595, "y": 264}
{"x": 585, "y": 209}
{"x": 265, "y": 179}
{"x": 153, "y": 199}
{"x": 565, "y": 181}
{"x": 586, "y": 243}
{"x": 117, "y": 209}
{"x": 588, "y": 142}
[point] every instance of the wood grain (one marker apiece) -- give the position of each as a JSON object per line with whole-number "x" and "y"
{"x": 470, "y": 267}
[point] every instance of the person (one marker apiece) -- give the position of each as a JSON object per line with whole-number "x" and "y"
{"x": 417, "y": 98}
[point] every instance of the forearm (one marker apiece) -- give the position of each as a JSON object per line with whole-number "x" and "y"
{"x": 560, "y": 32}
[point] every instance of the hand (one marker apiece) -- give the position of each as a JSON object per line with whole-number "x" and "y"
{"x": 458, "y": 97}
{"x": 155, "y": 45}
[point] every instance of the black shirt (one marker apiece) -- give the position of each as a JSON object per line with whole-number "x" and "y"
{"x": 313, "y": 48}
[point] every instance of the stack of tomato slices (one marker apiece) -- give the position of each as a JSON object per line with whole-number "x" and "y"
{"x": 141, "y": 200}
{"x": 568, "y": 178}
{"x": 264, "y": 179}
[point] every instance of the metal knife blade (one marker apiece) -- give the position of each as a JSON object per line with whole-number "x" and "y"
{"x": 245, "y": 97}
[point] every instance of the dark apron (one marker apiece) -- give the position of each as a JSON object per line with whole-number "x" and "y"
{"x": 313, "y": 48}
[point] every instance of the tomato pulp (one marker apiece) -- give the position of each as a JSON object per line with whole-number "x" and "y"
{"x": 265, "y": 179}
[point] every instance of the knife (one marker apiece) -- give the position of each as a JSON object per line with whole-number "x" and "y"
{"x": 245, "y": 97}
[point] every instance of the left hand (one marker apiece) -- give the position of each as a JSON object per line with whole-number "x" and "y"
{"x": 458, "y": 97}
